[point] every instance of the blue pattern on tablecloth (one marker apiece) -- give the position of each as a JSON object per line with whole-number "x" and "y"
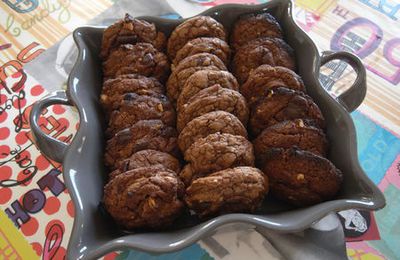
{"x": 377, "y": 147}
{"x": 194, "y": 252}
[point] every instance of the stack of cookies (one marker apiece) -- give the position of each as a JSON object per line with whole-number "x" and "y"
{"x": 212, "y": 117}
{"x": 286, "y": 126}
{"x": 204, "y": 113}
{"x": 144, "y": 190}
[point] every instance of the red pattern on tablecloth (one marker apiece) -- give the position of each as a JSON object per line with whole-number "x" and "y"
{"x": 32, "y": 190}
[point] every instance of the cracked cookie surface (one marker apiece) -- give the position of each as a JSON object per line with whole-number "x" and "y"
{"x": 210, "y": 123}
{"x": 114, "y": 89}
{"x": 188, "y": 66}
{"x": 203, "y": 79}
{"x": 130, "y": 31}
{"x": 239, "y": 189}
{"x": 253, "y": 26}
{"x": 199, "y": 26}
{"x": 267, "y": 77}
{"x": 145, "y": 158}
{"x": 287, "y": 134}
{"x": 146, "y": 197}
{"x": 141, "y": 58}
{"x": 217, "y": 152}
{"x": 300, "y": 177}
{"x": 133, "y": 108}
{"x": 210, "y": 45}
{"x": 145, "y": 134}
{"x": 271, "y": 51}
{"x": 212, "y": 99}
{"x": 283, "y": 104}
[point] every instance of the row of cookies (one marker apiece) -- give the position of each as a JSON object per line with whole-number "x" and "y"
{"x": 285, "y": 124}
{"x": 211, "y": 120}
{"x": 144, "y": 190}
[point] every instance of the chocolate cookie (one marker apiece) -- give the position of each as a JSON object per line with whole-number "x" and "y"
{"x": 246, "y": 60}
{"x": 115, "y": 102}
{"x": 210, "y": 123}
{"x": 271, "y": 51}
{"x": 199, "y": 60}
{"x": 146, "y": 197}
{"x": 199, "y": 26}
{"x": 253, "y": 26}
{"x": 113, "y": 89}
{"x": 267, "y": 77}
{"x": 130, "y": 31}
{"x": 188, "y": 66}
{"x": 212, "y": 99}
{"x": 287, "y": 134}
{"x": 218, "y": 151}
{"x": 214, "y": 46}
{"x": 282, "y": 104}
{"x": 300, "y": 177}
{"x": 145, "y": 134}
{"x": 177, "y": 80}
{"x": 141, "y": 58}
{"x": 203, "y": 79}
{"x": 186, "y": 175}
{"x": 134, "y": 107}
{"x": 147, "y": 158}
{"x": 240, "y": 189}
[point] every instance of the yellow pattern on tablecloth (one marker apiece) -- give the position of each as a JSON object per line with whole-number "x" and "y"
{"x": 47, "y": 24}
{"x": 317, "y": 6}
{"x": 13, "y": 245}
{"x": 362, "y": 255}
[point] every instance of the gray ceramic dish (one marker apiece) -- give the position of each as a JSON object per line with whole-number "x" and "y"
{"x": 93, "y": 233}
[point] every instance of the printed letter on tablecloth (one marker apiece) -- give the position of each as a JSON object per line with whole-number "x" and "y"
{"x": 32, "y": 190}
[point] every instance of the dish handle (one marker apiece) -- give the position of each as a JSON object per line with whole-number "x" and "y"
{"x": 352, "y": 98}
{"x": 48, "y": 145}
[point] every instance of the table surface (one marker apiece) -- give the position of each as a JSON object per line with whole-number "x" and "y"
{"x": 41, "y": 229}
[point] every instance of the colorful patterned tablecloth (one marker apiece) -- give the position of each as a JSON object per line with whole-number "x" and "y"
{"x": 36, "y": 212}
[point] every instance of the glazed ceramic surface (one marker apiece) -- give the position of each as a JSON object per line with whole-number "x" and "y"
{"x": 95, "y": 234}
